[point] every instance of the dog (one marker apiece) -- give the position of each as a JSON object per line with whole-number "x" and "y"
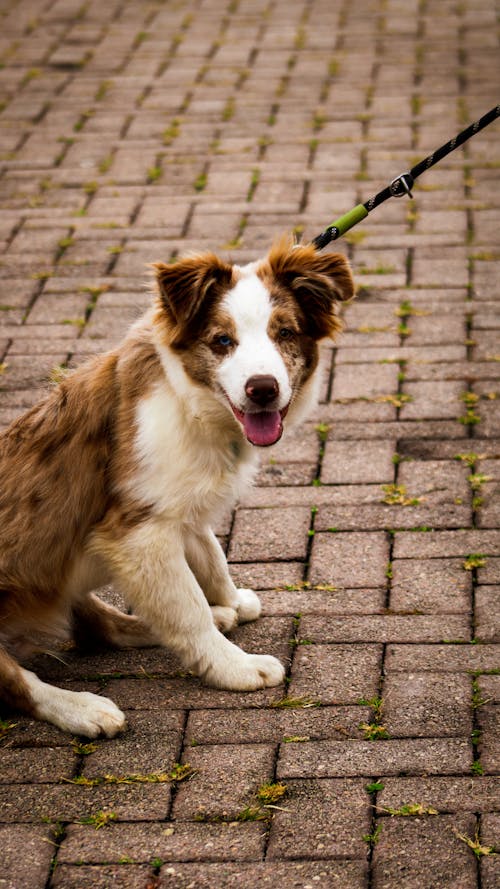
{"x": 118, "y": 475}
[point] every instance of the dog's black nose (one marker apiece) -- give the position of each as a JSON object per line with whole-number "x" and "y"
{"x": 262, "y": 389}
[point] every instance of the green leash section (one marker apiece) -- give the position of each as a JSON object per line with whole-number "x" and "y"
{"x": 402, "y": 184}
{"x": 348, "y": 220}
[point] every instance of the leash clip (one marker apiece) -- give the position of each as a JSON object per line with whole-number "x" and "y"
{"x": 402, "y": 185}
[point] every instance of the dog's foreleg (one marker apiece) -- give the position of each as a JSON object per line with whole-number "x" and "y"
{"x": 208, "y": 562}
{"x": 150, "y": 567}
{"x": 81, "y": 713}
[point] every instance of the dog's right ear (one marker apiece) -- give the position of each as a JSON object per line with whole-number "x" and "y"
{"x": 189, "y": 286}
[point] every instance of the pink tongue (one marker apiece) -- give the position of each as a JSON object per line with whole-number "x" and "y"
{"x": 263, "y": 428}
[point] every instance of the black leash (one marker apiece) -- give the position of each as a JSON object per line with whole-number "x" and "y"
{"x": 401, "y": 185}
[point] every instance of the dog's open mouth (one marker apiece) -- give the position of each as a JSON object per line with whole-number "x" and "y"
{"x": 262, "y": 428}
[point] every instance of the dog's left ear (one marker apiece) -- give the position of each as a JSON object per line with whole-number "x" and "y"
{"x": 185, "y": 286}
{"x": 318, "y": 281}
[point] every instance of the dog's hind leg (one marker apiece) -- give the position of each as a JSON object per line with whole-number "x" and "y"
{"x": 208, "y": 563}
{"x": 95, "y": 625}
{"x": 81, "y": 713}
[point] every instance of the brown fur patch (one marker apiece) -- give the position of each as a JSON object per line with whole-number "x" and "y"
{"x": 317, "y": 281}
{"x": 97, "y": 625}
{"x": 187, "y": 290}
{"x": 15, "y": 693}
{"x": 62, "y": 466}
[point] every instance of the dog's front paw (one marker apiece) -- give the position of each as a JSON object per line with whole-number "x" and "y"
{"x": 248, "y": 606}
{"x": 104, "y": 718}
{"x": 246, "y": 672}
{"x": 225, "y": 618}
{"x": 84, "y": 713}
{"x": 268, "y": 669}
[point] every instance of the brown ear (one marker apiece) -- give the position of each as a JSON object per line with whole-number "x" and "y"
{"x": 318, "y": 281}
{"x": 186, "y": 286}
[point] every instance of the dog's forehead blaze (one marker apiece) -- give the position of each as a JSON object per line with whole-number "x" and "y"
{"x": 248, "y": 301}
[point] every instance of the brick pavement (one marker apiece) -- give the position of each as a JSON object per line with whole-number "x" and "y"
{"x": 133, "y": 131}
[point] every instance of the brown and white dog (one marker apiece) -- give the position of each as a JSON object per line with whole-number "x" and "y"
{"x": 118, "y": 475}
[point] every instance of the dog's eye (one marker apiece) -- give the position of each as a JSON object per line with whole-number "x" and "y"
{"x": 286, "y": 333}
{"x": 223, "y": 340}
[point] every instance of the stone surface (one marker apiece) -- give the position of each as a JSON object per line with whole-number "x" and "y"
{"x": 425, "y": 852}
{"x": 321, "y": 819}
{"x": 132, "y": 132}
{"x": 445, "y": 756}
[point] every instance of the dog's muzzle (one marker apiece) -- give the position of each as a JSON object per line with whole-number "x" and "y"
{"x": 261, "y": 421}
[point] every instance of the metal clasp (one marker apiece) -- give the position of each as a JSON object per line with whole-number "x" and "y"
{"x": 402, "y": 185}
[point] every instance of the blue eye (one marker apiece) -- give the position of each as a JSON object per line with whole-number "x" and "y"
{"x": 224, "y": 340}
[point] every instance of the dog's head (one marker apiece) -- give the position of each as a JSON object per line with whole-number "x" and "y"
{"x": 251, "y": 333}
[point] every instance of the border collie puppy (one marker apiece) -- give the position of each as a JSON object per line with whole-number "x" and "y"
{"x": 118, "y": 475}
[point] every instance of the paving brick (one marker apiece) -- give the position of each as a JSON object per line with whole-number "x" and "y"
{"x": 487, "y": 611}
{"x": 150, "y": 745}
{"x": 268, "y": 635}
{"x": 489, "y": 741}
{"x": 81, "y": 877}
{"x": 266, "y": 535}
{"x": 355, "y": 462}
{"x": 424, "y": 852}
{"x": 318, "y": 497}
{"x": 261, "y": 576}
{"x": 364, "y": 380}
{"x": 31, "y": 868}
{"x": 349, "y": 874}
{"x": 426, "y": 428}
{"x": 490, "y": 687}
{"x": 21, "y": 766}
{"x": 386, "y": 628}
{"x": 432, "y": 512}
{"x": 351, "y": 560}
{"x": 442, "y": 450}
{"x": 446, "y": 543}
{"x": 409, "y": 756}
{"x": 323, "y": 819}
{"x": 108, "y": 664}
{"x": 490, "y": 421}
{"x": 183, "y": 693}
{"x": 448, "y": 271}
{"x": 335, "y": 674}
{"x": 442, "y": 329}
{"x": 74, "y": 802}
{"x": 454, "y": 794}
{"x": 430, "y": 586}
{"x": 427, "y": 704}
{"x": 447, "y": 658}
{"x": 433, "y": 400}
{"x": 22, "y": 372}
{"x": 226, "y": 781}
{"x": 490, "y": 870}
{"x": 165, "y": 841}
{"x": 321, "y": 601}
{"x": 274, "y": 474}
{"x": 490, "y": 572}
{"x": 280, "y": 724}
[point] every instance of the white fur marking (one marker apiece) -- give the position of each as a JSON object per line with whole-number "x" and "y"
{"x": 187, "y": 467}
{"x": 250, "y": 306}
{"x": 79, "y": 712}
{"x": 156, "y": 580}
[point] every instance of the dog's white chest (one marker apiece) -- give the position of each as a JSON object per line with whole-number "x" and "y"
{"x": 183, "y": 467}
